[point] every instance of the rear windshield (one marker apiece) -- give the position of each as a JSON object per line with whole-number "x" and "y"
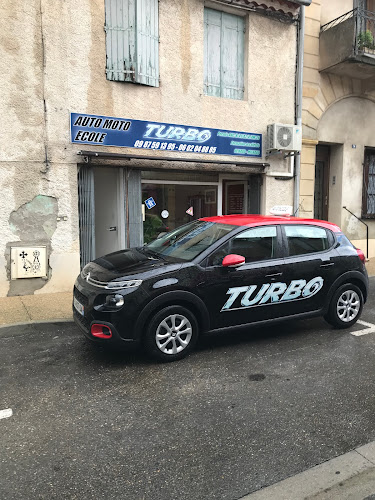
{"x": 190, "y": 240}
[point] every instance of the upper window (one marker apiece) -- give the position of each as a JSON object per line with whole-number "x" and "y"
{"x": 254, "y": 244}
{"x": 368, "y": 190}
{"x": 132, "y": 41}
{"x": 306, "y": 239}
{"x": 223, "y": 54}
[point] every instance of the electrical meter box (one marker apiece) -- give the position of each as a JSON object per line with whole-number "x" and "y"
{"x": 28, "y": 262}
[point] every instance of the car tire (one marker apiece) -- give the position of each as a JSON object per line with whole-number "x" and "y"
{"x": 171, "y": 334}
{"x": 345, "y": 307}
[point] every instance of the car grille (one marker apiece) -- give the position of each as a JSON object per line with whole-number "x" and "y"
{"x": 82, "y": 321}
{"x": 80, "y": 297}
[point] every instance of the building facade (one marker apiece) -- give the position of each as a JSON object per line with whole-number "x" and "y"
{"x": 338, "y": 155}
{"x": 122, "y": 119}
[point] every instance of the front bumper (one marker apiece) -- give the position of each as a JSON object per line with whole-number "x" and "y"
{"x": 121, "y": 321}
{"x": 85, "y": 327}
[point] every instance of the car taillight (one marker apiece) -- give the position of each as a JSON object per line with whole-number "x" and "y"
{"x": 101, "y": 331}
{"x": 361, "y": 255}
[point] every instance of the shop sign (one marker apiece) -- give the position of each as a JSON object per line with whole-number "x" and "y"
{"x": 121, "y": 132}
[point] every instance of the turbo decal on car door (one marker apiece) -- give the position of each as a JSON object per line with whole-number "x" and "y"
{"x": 271, "y": 293}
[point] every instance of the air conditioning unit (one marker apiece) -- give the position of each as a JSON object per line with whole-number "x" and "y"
{"x": 281, "y": 137}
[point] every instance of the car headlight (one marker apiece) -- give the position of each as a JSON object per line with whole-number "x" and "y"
{"x": 119, "y": 285}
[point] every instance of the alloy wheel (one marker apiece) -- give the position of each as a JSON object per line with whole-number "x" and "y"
{"x": 173, "y": 334}
{"x": 348, "y": 306}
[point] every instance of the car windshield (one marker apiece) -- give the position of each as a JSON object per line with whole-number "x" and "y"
{"x": 190, "y": 240}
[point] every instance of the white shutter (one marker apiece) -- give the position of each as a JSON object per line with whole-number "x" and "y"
{"x": 232, "y": 56}
{"x": 147, "y": 36}
{"x": 212, "y": 37}
{"x": 224, "y": 54}
{"x": 132, "y": 41}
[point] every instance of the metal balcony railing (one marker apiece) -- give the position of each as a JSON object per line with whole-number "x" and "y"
{"x": 363, "y": 22}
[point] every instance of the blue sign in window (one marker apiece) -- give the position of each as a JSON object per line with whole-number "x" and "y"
{"x": 121, "y": 132}
{"x": 150, "y": 203}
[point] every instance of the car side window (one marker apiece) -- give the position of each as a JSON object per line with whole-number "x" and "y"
{"x": 306, "y": 239}
{"x": 254, "y": 244}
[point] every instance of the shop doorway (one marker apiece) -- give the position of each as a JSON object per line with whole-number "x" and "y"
{"x": 321, "y": 186}
{"x": 102, "y": 211}
{"x": 109, "y": 210}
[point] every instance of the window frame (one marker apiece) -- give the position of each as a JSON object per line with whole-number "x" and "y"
{"x": 222, "y": 88}
{"x": 279, "y": 253}
{"x": 365, "y": 182}
{"x": 330, "y": 237}
{"x": 127, "y": 54}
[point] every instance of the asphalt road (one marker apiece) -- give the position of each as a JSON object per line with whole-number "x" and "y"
{"x": 247, "y": 409}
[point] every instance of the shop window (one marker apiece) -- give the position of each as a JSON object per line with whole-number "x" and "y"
{"x": 175, "y": 205}
{"x": 368, "y": 197}
{"x": 223, "y": 54}
{"x": 132, "y": 41}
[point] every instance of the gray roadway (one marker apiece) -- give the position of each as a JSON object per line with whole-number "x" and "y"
{"x": 246, "y": 410}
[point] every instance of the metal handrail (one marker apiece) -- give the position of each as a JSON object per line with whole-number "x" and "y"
{"x": 339, "y": 19}
{"x": 360, "y": 220}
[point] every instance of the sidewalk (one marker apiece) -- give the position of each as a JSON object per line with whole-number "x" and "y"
{"x": 36, "y": 308}
{"x": 347, "y": 477}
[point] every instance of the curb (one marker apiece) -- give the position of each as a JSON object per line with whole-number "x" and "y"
{"x": 348, "y": 476}
{"x": 34, "y": 322}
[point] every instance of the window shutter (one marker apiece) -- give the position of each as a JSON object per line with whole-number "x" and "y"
{"x": 232, "y": 56}
{"x": 147, "y": 22}
{"x": 120, "y": 40}
{"x": 212, "y": 36}
{"x": 132, "y": 41}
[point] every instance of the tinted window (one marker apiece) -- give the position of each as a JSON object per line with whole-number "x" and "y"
{"x": 254, "y": 244}
{"x": 306, "y": 239}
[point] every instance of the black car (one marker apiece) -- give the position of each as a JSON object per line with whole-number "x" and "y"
{"x": 217, "y": 273}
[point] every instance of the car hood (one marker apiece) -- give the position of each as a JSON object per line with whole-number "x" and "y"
{"x": 134, "y": 263}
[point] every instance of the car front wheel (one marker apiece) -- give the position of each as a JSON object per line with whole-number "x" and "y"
{"x": 346, "y": 306}
{"x": 172, "y": 334}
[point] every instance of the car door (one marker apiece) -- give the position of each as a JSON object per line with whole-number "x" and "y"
{"x": 247, "y": 293}
{"x": 312, "y": 265}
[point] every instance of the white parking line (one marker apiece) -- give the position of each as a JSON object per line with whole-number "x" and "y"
{"x": 6, "y": 413}
{"x": 370, "y": 328}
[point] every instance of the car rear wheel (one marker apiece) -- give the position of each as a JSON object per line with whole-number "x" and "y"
{"x": 345, "y": 307}
{"x": 172, "y": 334}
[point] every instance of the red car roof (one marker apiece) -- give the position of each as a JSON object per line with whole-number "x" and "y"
{"x": 263, "y": 220}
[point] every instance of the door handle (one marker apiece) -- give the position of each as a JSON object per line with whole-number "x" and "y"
{"x": 112, "y": 228}
{"x": 327, "y": 265}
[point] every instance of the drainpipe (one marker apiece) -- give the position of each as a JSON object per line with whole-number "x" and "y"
{"x": 299, "y": 83}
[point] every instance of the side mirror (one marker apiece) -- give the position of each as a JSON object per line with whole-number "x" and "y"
{"x": 233, "y": 260}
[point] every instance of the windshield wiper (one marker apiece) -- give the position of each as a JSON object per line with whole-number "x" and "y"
{"x": 152, "y": 252}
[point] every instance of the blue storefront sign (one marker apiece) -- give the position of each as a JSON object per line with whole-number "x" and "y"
{"x": 121, "y": 132}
